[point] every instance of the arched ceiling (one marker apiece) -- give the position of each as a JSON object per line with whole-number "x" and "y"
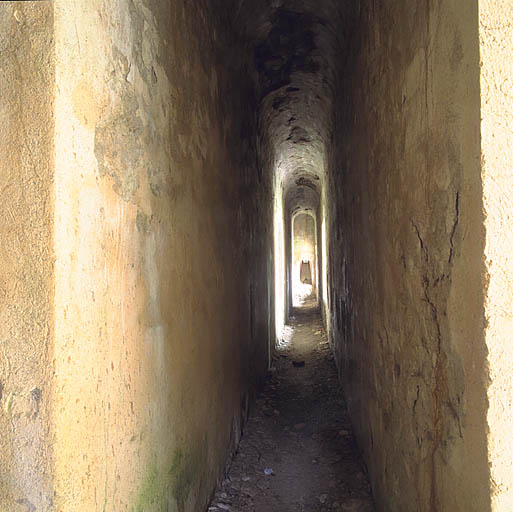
{"x": 296, "y": 46}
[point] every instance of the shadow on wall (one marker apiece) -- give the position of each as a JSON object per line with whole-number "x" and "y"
{"x": 409, "y": 283}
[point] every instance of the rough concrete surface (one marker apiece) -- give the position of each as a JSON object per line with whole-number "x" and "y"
{"x": 496, "y": 46}
{"x": 406, "y": 274}
{"x": 26, "y": 255}
{"x": 157, "y": 317}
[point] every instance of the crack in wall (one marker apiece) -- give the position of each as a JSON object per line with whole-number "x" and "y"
{"x": 423, "y": 247}
{"x": 434, "y": 311}
{"x": 455, "y": 225}
{"x": 416, "y": 399}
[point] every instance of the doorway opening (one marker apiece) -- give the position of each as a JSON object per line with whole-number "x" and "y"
{"x": 304, "y": 260}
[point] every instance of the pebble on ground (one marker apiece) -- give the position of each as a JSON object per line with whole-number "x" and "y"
{"x": 297, "y": 452}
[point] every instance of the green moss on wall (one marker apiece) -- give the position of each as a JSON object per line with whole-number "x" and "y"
{"x": 153, "y": 492}
{"x": 167, "y": 488}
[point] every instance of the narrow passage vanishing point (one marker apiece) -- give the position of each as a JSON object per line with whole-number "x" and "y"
{"x": 177, "y": 177}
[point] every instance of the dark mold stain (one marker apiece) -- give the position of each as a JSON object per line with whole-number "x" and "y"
{"x": 287, "y": 49}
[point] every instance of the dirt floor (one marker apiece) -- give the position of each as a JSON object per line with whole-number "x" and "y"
{"x": 297, "y": 452}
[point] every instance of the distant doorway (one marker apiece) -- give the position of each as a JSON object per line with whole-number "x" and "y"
{"x": 304, "y": 261}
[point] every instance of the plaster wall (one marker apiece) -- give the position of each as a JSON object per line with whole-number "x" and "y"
{"x": 324, "y": 244}
{"x": 496, "y": 47}
{"x": 26, "y": 254}
{"x": 161, "y": 331}
{"x": 405, "y": 265}
{"x": 281, "y": 297}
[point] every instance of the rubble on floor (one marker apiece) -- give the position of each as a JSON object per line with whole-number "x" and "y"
{"x": 297, "y": 452}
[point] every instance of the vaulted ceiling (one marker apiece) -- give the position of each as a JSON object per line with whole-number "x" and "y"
{"x": 297, "y": 46}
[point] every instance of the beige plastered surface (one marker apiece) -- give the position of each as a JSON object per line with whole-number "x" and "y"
{"x": 153, "y": 334}
{"x": 496, "y": 47}
{"x": 26, "y": 255}
{"x": 407, "y": 274}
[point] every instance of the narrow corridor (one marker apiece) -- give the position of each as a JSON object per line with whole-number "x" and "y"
{"x": 301, "y": 432}
{"x": 177, "y": 177}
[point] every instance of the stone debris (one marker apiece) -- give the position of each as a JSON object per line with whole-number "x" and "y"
{"x": 298, "y": 433}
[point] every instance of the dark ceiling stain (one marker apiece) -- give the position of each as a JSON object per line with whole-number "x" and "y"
{"x": 279, "y": 101}
{"x": 305, "y": 182}
{"x": 287, "y": 49}
{"x": 298, "y": 135}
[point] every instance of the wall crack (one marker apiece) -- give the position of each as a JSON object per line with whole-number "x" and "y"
{"x": 423, "y": 247}
{"x": 455, "y": 225}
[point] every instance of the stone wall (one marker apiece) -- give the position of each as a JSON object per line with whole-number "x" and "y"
{"x": 26, "y": 267}
{"x": 131, "y": 355}
{"x": 406, "y": 270}
{"x": 161, "y": 309}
